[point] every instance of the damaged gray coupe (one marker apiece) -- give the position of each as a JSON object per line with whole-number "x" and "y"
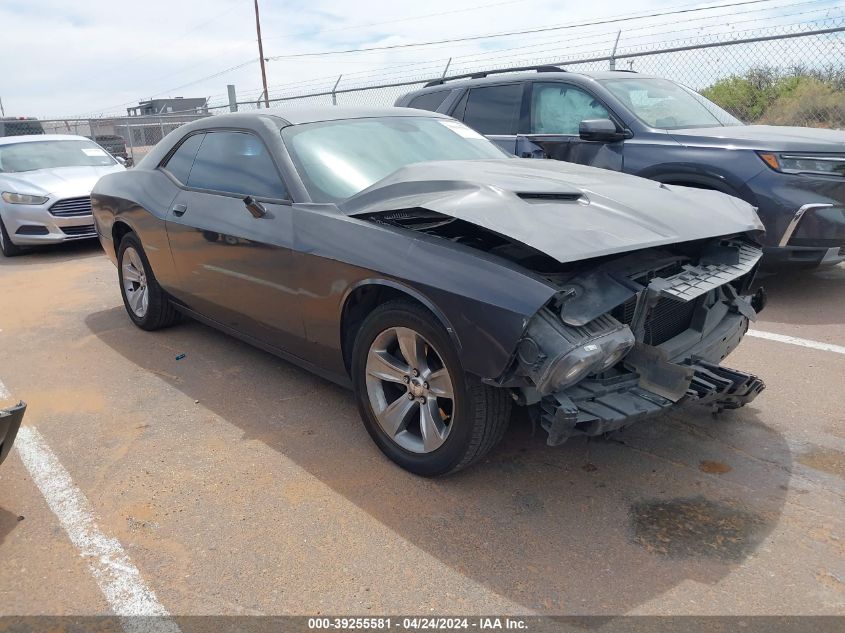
{"x": 400, "y": 253}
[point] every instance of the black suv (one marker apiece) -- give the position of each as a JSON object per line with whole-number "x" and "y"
{"x": 113, "y": 144}
{"x": 656, "y": 128}
{"x": 20, "y": 126}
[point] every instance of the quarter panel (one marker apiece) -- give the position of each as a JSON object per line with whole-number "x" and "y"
{"x": 141, "y": 199}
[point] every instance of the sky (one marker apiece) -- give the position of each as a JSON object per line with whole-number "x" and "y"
{"x": 90, "y": 57}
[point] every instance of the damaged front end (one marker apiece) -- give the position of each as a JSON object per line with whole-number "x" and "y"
{"x": 639, "y": 335}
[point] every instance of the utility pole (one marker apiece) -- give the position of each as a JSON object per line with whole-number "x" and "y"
{"x": 2, "y": 111}
{"x": 261, "y": 56}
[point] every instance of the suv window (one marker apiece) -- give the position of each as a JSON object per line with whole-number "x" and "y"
{"x": 180, "y": 163}
{"x": 558, "y": 108}
{"x": 236, "y": 162}
{"x": 429, "y": 101}
{"x": 494, "y": 109}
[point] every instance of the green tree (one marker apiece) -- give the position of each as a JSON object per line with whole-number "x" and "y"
{"x": 739, "y": 96}
{"x": 799, "y": 96}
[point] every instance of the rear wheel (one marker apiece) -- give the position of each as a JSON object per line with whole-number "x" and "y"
{"x": 146, "y": 303}
{"x": 6, "y": 247}
{"x": 416, "y": 402}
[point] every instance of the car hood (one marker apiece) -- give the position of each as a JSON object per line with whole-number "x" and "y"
{"x": 765, "y": 137}
{"x": 569, "y": 212}
{"x": 59, "y": 181}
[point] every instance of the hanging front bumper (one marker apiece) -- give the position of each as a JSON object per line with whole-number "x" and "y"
{"x": 655, "y": 384}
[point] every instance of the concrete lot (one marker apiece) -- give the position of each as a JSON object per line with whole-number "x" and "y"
{"x": 239, "y": 484}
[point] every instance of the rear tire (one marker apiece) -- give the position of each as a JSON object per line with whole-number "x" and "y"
{"x": 146, "y": 303}
{"x": 403, "y": 403}
{"x": 6, "y": 247}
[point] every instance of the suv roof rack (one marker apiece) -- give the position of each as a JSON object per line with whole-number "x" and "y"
{"x": 484, "y": 73}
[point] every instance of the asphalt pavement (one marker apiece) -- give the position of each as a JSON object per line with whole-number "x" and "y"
{"x": 231, "y": 482}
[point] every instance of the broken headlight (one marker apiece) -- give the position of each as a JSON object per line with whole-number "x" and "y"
{"x": 555, "y": 355}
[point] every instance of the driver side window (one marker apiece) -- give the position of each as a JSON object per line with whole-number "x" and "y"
{"x": 558, "y": 108}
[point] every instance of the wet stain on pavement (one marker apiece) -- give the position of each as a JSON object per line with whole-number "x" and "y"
{"x": 827, "y": 460}
{"x": 695, "y": 527}
{"x": 714, "y": 468}
{"x": 528, "y": 503}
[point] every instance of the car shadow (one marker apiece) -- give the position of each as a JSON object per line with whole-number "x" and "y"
{"x": 54, "y": 253}
{"x": 813, "y": 297}
{"x": 600, "y": 526}
{"x": 8, "y": 522}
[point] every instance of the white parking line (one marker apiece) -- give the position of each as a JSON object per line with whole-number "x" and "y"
{"x": 118, "y": 578}
{"x": 792, "y": 340}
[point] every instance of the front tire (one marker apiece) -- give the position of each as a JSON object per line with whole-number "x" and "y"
{"x": 146, "y": 303}
{"x": 416, "y": 402}
{"x": 6, "y": 247}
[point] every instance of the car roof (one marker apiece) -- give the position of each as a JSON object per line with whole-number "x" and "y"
{"x": 32, "y": 138}
{"x": 507, "y": 77}
{"x": 300, "y": 115}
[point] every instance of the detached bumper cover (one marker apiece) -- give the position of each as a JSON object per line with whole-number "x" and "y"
{"x": 596, "y": 406}
{"x": 10, "y": 422}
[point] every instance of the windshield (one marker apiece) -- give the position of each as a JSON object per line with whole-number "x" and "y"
{"x": 18, "y": 157}
{"x": 338, "y": 159}
{"x": 663, "y": 104}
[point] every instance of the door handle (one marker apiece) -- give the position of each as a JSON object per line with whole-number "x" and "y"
{"x": 179, "y": 210}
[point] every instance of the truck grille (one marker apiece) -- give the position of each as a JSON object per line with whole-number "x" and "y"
{"x": 71, "y": 207}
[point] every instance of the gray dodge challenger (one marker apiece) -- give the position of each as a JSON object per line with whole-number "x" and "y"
{"x": 400, "y": 253}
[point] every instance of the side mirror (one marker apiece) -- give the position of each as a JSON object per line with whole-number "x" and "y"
{"x": 120, "y": 160}
{"x": 254, "y": 207}
{"x": 601, "y": 130}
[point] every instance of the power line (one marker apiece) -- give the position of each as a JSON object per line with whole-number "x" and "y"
{"x": 396, "y": 21}
{"x": 512, "y": 33}
{"x": 124, "y": 63}
{"x": 426, "y": 66}
{"x": 622, "y": 18}
{"x": 493, "y": 55}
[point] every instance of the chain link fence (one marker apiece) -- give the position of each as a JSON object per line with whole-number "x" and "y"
{"x": 129, "y": 138}
{"x": 791, "y": 75}
{"x": 784, "y": 76}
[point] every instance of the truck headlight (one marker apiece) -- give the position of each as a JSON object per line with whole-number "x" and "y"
{"x": 23, "y": 198}
{"x": 825, "y": 164}
{"x": 555, "y": 355}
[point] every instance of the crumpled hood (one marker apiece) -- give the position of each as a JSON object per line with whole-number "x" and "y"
{"x": 569, "y": 212}
{"x": 776, "y": 138}
{"x": 60, "y": 181}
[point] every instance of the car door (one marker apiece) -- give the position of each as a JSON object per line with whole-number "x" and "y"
{"x": 233, "y": 267}
{"x": 555, "y": 114}
{"x": 493, "y": 110}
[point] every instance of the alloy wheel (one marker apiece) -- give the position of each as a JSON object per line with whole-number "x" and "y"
{"x": 410, "y": 390}
{"x": 135, "y": 282}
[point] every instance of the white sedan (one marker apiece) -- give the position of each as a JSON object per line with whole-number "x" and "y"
{"x": 45, "y": 189}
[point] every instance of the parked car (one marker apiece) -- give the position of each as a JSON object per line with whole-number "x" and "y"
{"x": 20, "y": 126}
{"x": 114, "y": 145}
{"x": 659, "y": 129}
{"x": 403, "y": 254}
{"x": 11, "y": 416}
{"x": 45, "y": 187}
